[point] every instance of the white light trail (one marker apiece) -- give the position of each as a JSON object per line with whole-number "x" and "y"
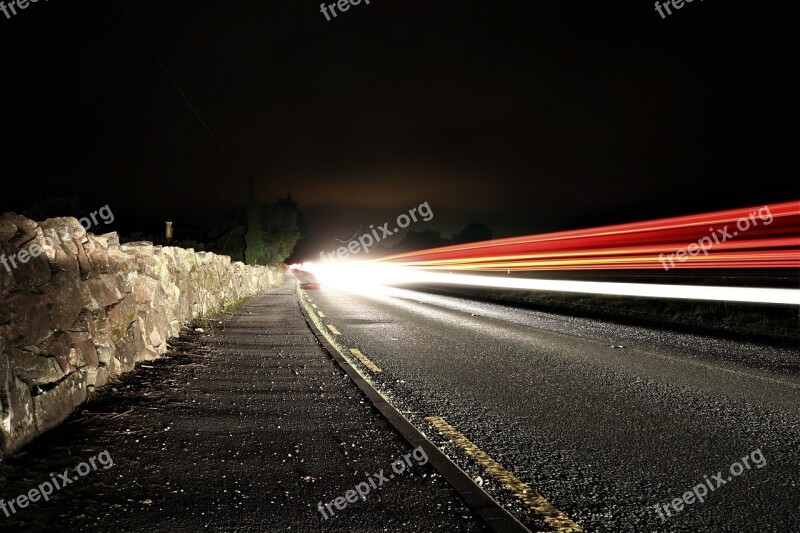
{"x": 370, "y": 278}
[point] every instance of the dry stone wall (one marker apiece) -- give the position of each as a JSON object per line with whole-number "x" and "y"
{"x": 87, "y": 308}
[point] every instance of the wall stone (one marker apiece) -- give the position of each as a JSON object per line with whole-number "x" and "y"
{"x": 86, "y": 309}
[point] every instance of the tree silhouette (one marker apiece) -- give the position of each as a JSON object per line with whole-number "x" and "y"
{"x": 255, "y": 242}
{"x": 474, "y": 232}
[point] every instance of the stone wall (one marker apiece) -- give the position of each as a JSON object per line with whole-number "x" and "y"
{"x": 87, "y": 308}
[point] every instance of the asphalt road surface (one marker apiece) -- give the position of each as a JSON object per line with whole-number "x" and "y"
{"x": 604, "y": 421}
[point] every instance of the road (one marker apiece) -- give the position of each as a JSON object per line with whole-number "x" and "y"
{"x": 604, "y": 421}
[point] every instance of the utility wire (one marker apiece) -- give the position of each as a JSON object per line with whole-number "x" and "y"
{"x": 235, "y": 220}
{"x": 188, "y": 103}
{"x": 354, "y": 234}
{"x": 175, "y": 83}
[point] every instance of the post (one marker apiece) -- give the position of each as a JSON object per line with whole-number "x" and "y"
{"x": 169, "y": 231}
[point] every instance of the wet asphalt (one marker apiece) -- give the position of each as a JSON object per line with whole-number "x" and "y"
{"x": 605, "y": 421}
{"x": 247, "y": 425}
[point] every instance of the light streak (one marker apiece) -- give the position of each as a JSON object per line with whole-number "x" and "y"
{"x": 639, "y": 245}
{"x": 375, "y": 280}
{"x": 635, "y": 246}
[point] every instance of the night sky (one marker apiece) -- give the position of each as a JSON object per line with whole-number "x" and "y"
{"x": 527, "y": 116}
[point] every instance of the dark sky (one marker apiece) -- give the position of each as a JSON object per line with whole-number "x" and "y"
{"x": 525, "y": 115}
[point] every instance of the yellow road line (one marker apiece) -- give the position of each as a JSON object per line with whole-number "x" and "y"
{"x": 333, "y": 329}
{"x": 552, "y": 516}
{"x": 363, "y": 358}
{"x": 314, "y": 306}
{"x": 321, "y": 314}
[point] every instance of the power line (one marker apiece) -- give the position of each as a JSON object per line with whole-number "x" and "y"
{"x": 354, "y": 234}
{"x": 233, "y": 228}
{"x": 177, "y": 87}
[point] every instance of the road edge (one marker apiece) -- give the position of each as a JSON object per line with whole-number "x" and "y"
{"x": 479, "y": 501}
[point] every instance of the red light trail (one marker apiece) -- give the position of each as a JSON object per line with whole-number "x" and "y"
{"x": 756, "y": 237}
